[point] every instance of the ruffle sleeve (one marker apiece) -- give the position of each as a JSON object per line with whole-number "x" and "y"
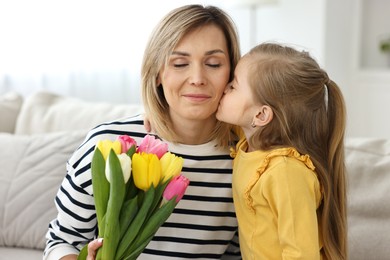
{"x": 289, "y": 152}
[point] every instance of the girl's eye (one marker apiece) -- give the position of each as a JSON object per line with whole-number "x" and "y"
{"x": 229, "y": 88}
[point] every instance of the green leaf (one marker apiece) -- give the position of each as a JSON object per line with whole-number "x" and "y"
{"x": 83, "y": 253}
{"x": 131, "y": 151}
{"x": 136, "y": 224}
{"x": 100, "y": 187}
{"x": 132, "y": 190}
{"x": 158, "y": 197}
{"x": 101, "y": 230}
{"x": 135, "y": 253}
{"x": 128, "y": 213}
{"x": 115, "y": 201}
{"x": 99, "y": 254}
{"x": 152, "y": 225}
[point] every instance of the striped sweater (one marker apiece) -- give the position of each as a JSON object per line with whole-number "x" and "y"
{"x": 202, "y": 226}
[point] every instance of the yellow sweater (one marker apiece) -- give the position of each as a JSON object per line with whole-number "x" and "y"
{"x": 276, "y": 195}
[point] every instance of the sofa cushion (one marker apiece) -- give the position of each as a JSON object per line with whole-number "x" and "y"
{"x": 10, "y": 104}
{"x": 48, "y": 112}
{"x": 18, "y": 253}
{"x": 31, "y": 170}
{"x": 368, "y": 166}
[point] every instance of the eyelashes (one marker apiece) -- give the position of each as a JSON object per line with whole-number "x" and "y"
{"x": 179, "y": 65}
{"x": 214, "y": 65}
{"x": 183, "y": 65}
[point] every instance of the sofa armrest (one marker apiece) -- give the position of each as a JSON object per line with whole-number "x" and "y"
{"x": 31, "y": 171}
{"x": 368, "y": 172}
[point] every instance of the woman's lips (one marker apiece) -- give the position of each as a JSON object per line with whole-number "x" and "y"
{"x": 196, "y": 97}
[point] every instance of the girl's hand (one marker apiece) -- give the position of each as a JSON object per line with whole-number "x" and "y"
{"x": 93, "y": 246}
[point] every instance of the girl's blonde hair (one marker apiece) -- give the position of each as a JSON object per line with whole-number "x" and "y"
{"x": 171, "y": 29}
{"x": 310, "y": 115}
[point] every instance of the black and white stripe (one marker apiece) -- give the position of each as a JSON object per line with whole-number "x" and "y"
{"x": 202, "y": 226}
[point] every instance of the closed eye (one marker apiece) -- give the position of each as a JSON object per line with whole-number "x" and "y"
{"x": 181, "y": 65}
{"x": 214, "y": 65}
{"x": 228, "y": 88}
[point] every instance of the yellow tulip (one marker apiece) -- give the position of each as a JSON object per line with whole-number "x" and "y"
{"x": 146, "y": 170}
{"x": 171, "y": 165}
{"x": 105, "y": 147}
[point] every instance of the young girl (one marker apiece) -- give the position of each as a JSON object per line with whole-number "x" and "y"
{"x": 288, "y": 173}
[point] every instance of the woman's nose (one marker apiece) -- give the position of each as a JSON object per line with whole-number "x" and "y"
{"x": 198, "y": 76}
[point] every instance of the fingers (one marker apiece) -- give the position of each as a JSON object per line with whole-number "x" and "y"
{"x": 93, "y": 246}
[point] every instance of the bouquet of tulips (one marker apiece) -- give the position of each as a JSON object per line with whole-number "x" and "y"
{"x": 135, "y": 190}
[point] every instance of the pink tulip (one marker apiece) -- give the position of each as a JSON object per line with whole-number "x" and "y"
{"x": 176, "y": 187}
{"x": 126, "y": 142}
{"x": 152, "y": 145}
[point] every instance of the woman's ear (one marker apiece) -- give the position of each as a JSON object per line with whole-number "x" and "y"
{"x": 264, "y": 116}
{"x": 158, "y": 80}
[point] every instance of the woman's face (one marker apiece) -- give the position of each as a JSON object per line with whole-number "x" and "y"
{"x": 196, "y": 75}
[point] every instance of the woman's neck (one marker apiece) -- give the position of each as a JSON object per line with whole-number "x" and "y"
{"x": 194, "y": 132}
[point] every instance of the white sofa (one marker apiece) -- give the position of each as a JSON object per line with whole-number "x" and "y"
{"x": 39, "y": 133}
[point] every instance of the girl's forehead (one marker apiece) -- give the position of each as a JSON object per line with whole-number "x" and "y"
{"x": 245, "y": 61}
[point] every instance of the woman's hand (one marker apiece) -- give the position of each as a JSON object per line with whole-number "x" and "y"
{"x": 93, "y": 246}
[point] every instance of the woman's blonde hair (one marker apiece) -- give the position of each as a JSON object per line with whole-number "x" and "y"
{"x": 171, "y": 29}
{"x": 310, "y": 115}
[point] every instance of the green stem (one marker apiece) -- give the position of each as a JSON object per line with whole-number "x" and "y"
{"x": 136, "y": 224}
{"x": 153, "y": 224}
{"x": 115, "y": 201}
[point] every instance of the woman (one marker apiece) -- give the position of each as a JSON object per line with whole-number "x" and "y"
{"x": 188, "y": 61}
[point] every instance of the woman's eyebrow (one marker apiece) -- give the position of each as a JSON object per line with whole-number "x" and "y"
{"x": 214, "y": 51}
{"x": 180, "y": 53}
{"x": 207, "y": 53}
